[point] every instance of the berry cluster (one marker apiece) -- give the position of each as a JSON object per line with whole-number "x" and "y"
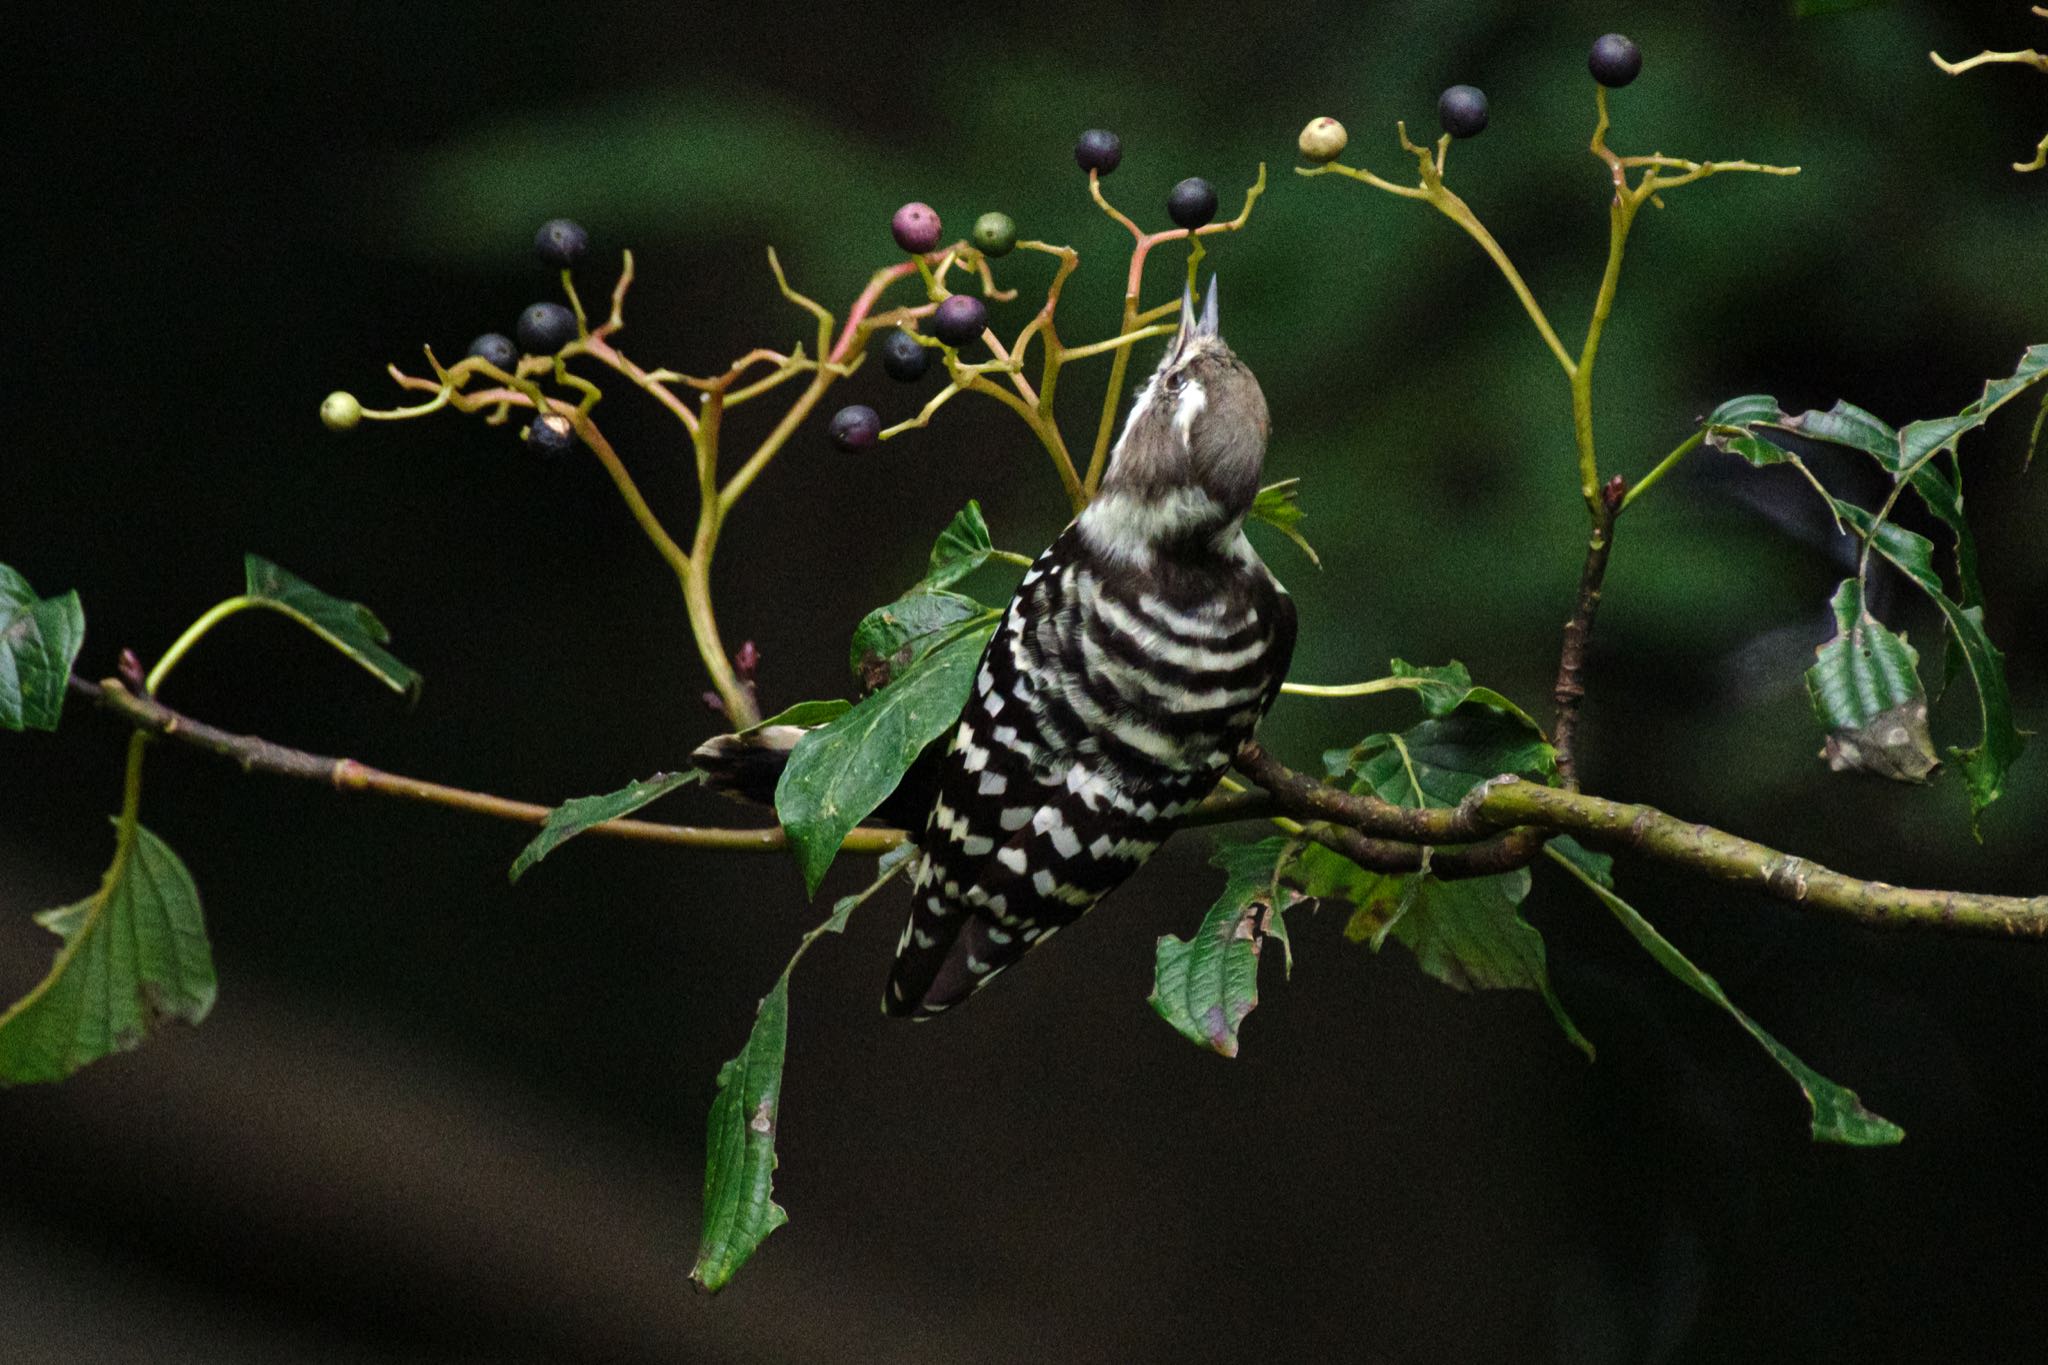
{"x": 959, "y": 320}
{"x": 1462, "y": 110}
{"x": 542, "y": 330}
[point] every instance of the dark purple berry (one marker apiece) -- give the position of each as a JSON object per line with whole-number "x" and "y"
{"x": 1462, "y": 110}
{"x": 855, "y": 427}
{"x": 959, "y": 319}
{"x": 1614, "y": 60}
{"x": 1192, "y": 203}
{"x": 561, "y": 242}
{"x": 550, "y": 435}
{"x": 546, "y": 328}
{"x": 1098, "y": 150}
{"x": 916, "y": 228}
{"x": 903, "y": 358}
{"x": 495, "y": 348}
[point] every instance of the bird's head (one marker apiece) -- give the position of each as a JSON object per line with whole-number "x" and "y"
{"x": 1186, "y": 468}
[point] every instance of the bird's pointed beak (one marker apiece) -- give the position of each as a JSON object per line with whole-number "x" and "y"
{"x": 1193, "y": 324}
{"x": 1188, "y": 324}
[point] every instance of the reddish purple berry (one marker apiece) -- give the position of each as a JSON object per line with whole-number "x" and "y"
{"x": 916, "y": 228}
{"x": 855, "y": 427}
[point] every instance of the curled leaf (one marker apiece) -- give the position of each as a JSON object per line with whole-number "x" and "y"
{"x": 1866, "y": 689}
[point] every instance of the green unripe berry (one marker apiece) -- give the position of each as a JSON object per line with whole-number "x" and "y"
{"x": 995, "y": 233}
{"x": 339, "y": 411}
{"x": 1322, "y": 140}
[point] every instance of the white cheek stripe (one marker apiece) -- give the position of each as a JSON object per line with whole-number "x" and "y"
{"x": 1194, "y": 401}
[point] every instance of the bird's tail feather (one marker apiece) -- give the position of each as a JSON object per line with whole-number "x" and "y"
{"x": 747, "y": 767}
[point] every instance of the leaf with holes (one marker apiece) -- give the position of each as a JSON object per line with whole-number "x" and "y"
{"x": 1838, "y": 1115}
{"x": 39, "y": 641}
{"x": 572, "y": 817}
{"x": 739, "y": 1147}
{"x": 1865, "y": 686}
{"x": 1205, "y": 985}
{"x": 135, "y": 954}
{"x": 739, "y": 1140}
{"x": 2000, "y": 741}
{"x": 350, "y": 627}
{"x": 839, "y": 772}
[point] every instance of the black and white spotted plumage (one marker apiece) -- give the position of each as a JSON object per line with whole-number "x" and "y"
{"x": 1140, "y": 651}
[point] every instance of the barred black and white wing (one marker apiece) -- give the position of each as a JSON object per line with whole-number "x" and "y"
{"x": 1108, "y": 704}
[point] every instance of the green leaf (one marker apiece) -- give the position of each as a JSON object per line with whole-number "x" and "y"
{"x": 1920, "y": 440}
{"x": 890, "y": 639}
{"x": 1206, "y": 985}
{"x": 1438, "y": 761}
{"x": 1443, "y": 689}
{"x": 1740, "y": 412}
{"x": 739, "y": 1141}
{"x": 1599, "y": 866}
{"x": 39, "y": 640}
{"x": 350, "y": 627}
{"x": 1866, "y": 690}
{"x": 1468, "y": 934}
{"x": 135, "y": 954}
{"x": 962, "y": 547}
{"x": 1279, "y": 506}
{"x": 571, "y": 818}
{"x": 840, "y": 772}
{"x": 1838, "y": 1115}
{"x": 804, "y": 714}
{"x": 739, "y": 1147}
{"x": 1845, "y": 424}
{"x": 2000, "y": 742}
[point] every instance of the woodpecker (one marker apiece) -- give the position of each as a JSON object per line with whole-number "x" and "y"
{"x": 1140, "y": 650}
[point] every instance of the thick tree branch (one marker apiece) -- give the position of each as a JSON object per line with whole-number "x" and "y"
{"x": 346, "y": 774}
{"x": 1501, "y": 826}
{"x": 1384, "y": 837}
{"x": 1729, "y": 857}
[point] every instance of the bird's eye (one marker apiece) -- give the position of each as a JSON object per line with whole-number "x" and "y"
{"x": 1174, "y": 381}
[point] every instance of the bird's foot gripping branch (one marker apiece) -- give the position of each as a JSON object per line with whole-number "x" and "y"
{"x": 1427, "y": 833}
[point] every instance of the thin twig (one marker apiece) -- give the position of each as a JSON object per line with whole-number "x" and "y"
{"x": 257, "y": 755}
{"x": 1568, "y": 694}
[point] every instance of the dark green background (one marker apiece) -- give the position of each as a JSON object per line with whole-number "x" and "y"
{"x": 435, "y": 1118}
